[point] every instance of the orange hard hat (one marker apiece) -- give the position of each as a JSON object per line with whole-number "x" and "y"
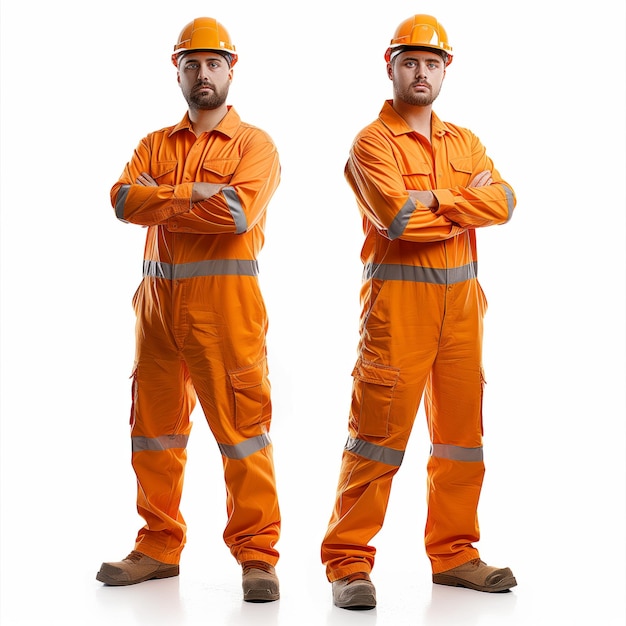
{"x": 204, "y": 33}
{"x": 420, "y": 31}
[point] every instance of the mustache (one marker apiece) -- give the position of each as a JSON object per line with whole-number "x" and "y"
{"x": 203, "y": 85}
{"x": 421, "y": 82}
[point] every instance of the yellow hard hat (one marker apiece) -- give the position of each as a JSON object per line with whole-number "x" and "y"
{"x": 204, "y": 33}
{"x": 420, "y": 31}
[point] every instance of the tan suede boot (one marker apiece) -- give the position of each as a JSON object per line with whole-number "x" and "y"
{"x": 355, "y": 592}
{"x": 135, "y": 568}
{"x": 259, "y": 582}
{"x": 478, "y": 576}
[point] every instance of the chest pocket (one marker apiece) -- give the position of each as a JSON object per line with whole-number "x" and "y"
{"x": 416, "y": 175}
{"x": 219, "y": 170}
{"x": 164, "y": 172}
{"x": 461, "y": 170}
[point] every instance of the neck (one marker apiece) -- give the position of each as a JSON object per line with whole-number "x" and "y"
{"x": 204, "y": 120}
{"x": 417, "y": 117}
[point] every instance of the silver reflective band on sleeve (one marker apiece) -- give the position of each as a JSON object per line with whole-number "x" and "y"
{"x": 418, "y": 274}
{"x": 121, "y": 201}
{"x": 396, "y": 228}
{"x": 236, "y": 210}
{"x": 245, "y": 448}
{"x": 371, "y": 451}
{"x": 217, "y": 267}
{"x": 509, "y": 201}
{"x": 456, "y": 453}
{"x": 164, "y": 442}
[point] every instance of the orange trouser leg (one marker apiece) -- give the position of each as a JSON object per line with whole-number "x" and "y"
{"x": 385, "y": 397}
{"x": 359, "y": 512}
{"x": 254, "y": 522}
{"x": 162, "y": 403}
{"x": 453, "y": 404}
{"x": 230, "y": 375}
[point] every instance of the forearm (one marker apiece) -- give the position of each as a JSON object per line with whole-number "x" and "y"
{"x": 476, "y": 207}
{"x": 149, "y": 205}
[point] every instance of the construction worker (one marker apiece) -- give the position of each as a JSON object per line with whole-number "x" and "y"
{"x": 202, "y": 188}
{"x": 422, "y": 186}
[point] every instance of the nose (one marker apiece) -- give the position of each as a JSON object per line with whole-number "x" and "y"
{"x": 203, "y": 73}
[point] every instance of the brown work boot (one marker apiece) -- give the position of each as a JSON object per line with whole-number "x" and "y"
{"x": 135, "y": 568}
{"x": 478, "y": 576}
{"x": 259, "y": 582}
{"x": 355, "y": 592}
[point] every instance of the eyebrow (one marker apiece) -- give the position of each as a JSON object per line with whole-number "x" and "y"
{"x": 436, "y": 58}
{"x": 194, "y": 59}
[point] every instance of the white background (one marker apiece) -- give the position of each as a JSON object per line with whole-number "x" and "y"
{"x": 541, "y": 84}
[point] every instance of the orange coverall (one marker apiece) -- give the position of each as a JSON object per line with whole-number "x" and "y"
{"x": 201, "y": 329}
{"x": 420, "y": 330}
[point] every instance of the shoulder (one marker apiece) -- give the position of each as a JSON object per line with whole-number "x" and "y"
{"x": 255, "y": 133}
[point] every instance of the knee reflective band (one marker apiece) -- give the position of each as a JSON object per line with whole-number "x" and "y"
{"x": 245, "y": 448}
{"x": 164, "y": 442}
{"x": 371, "y": 451}
{"x": 456, "y": 453}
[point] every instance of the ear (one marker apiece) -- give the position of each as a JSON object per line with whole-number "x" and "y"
{"x": 389, "y": 71}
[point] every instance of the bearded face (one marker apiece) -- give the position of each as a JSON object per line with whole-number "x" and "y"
{"x": 417, "y": 77}
{"x": 204, "y": 79}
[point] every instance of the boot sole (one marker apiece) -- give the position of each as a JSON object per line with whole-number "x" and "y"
{"x": 261, "y": 595}
{"x": 363, "y": 602}
{"x": 454, "y": 581}
{"x": 110, "y": 579}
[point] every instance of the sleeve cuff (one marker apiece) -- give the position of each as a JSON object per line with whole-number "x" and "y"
{"x": 445, "y": 199}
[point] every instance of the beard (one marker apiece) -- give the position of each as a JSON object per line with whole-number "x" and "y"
{"x": 206, "y": 101}
{"x": 420, "y": 99}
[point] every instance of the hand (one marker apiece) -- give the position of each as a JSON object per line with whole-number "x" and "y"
{"x": 482, "y": 180}
{"x": 146, "y": 180}
{"x": 427, "y": 198}
{"x": 203, "y": 191}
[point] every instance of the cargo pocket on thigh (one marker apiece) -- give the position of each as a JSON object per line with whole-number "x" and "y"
{"x": 251, "y": 391}
{"x": 372, "y": 397}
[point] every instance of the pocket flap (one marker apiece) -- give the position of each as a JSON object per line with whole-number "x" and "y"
{"x": 160, "y": 168}
{"x": 223, "y": 167}
{"x": 462, "y": 164}
{"x": 249, "y": 376}
{"x": 375, "y": 374}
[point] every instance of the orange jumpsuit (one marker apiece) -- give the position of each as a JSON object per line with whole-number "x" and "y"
{"x": 420, "y": 334}
{"x": 201, "y": 329}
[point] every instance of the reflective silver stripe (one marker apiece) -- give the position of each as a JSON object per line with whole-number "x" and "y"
{"x": 121, "y": 201}
{"x": 236, "y": 210}
{"x": 418, "y": 274}
{"x": 245, "y": 448}
{"x": 509, "y": 201}
{"x": 396, "y": 228}
{"x": 219, "y": 267}
{"x": 164, "y": 442}
{"x": 456, "y": 453}
{"x": 371, "y": 451}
